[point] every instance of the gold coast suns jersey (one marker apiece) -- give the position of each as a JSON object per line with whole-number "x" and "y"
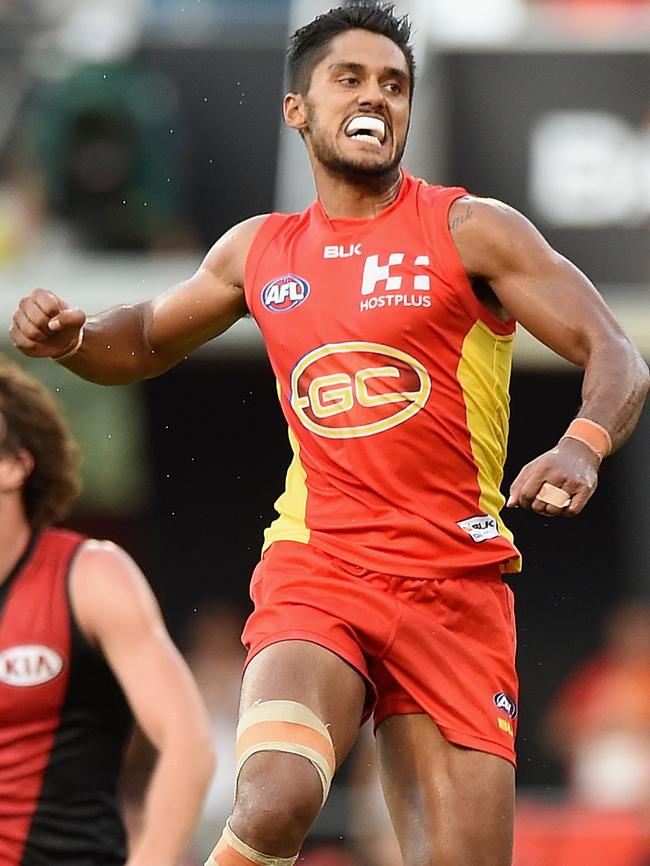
{"x": 393, "y": 379}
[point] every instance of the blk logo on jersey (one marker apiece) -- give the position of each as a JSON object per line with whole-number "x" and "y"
{"x": 29, "y": 665}
{"x": 354, "y": 389}
{"x": 480, "y": 528}
{"x": 285, "y": 293}
{"x": 506, "y": 704}
{"x": 340, "y": 252}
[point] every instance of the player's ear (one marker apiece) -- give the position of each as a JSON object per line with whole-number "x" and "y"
{"x": 15, "y": 469}
{"x": 295, "y": 115}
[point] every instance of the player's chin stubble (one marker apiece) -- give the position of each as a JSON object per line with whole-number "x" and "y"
{"x": 325, "y": 152}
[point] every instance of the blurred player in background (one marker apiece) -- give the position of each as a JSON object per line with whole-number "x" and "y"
{"x": 82, "y": 648}
{"x": 607, "y": 753}
{"x": 388, "y": 309}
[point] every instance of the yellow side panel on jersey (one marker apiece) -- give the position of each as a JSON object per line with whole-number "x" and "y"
{"x": 484, "y": 376}
{"x": 292, "y": 504}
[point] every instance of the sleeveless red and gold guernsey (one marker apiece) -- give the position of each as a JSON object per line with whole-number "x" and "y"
{"x": 393, "y": 379}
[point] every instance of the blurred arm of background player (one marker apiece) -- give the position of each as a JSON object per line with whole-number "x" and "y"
{"x": 118, "y": 613}
{"x": 519, "y": 276}
{"x": 129, "y": 343}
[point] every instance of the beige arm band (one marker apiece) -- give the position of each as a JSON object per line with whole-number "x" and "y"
{"x": 591, "y": 434}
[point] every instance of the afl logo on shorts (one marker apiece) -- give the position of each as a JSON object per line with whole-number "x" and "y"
{"x": 349, "y": 390}
{"x": 506, "y": 704}
{"x": 29, "y": 665}
{"x": 285, "y": 293}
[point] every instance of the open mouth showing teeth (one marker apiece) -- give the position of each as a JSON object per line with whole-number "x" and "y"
{"x": 370, "y": 129}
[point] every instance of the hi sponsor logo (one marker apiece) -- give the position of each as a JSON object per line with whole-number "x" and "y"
{"x": 395, "y": 282}
{"x": 285, "y": 293}
{"x": 354, "y": 389}
{"x": 480, "y": 528}
{"x": 29, "y": 665}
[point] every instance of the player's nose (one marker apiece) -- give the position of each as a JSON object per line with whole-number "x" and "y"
{"x": 371, "y": 93}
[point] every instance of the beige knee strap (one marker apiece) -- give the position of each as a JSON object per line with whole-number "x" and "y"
{"x": 286, "y": 726}
{"x": 231, "y": 851}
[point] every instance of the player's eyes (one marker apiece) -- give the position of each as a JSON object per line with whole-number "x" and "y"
{"x": 349, "y": 80}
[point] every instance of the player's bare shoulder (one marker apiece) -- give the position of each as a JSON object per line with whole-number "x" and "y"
{"x": 106, "y": 586}
{"x": 471, "y": 213}
{"x": 205, "y": 305}
{"x": 490, "y": 235}
{"x": 227, "y": 257}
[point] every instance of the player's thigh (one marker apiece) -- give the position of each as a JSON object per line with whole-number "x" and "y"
{"x": 301, "y": 671}
{"x": 450, "y": 806}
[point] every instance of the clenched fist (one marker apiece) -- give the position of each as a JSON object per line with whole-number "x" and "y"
{"x": 44, "y": 326}
{"x": 571, "y": 469}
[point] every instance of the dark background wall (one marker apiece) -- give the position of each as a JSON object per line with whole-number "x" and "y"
{"x": 497, "y": 101}
{"x": 230, "y": 100}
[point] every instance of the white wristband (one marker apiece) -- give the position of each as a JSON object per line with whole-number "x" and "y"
{"x": 73, "y": 350}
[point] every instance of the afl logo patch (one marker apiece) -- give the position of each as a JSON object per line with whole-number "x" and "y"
{"x": 506, "y": 704}
{"x": 285, "y": 293}
{"x": 29, "y": 665}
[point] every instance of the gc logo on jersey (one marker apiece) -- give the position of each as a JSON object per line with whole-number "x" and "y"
{"x": 285, "y": 293}
{"x": 29, "y": 665}
{"x": 354, "y": 389}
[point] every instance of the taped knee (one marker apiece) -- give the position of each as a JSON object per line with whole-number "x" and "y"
{"x": 287, "y": 726}
{"x": 231, "y": 851}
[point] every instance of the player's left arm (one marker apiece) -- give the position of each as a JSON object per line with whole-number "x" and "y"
{"x": 118, "y": 613}
{"x": 529, "y": 281}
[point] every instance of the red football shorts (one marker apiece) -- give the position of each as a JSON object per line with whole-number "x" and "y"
{"x": 441, "y": 647}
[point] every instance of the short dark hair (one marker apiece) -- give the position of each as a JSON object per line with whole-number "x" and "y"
{"x": 30, "y": 418}
{"x": 308, "y": 45}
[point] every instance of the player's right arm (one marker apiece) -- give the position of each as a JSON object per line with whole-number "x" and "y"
{"x": 132, "y": 342}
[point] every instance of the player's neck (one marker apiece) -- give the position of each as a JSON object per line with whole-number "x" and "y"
{"x": 15, "y": 533}
{"x": 343, "y": 198}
